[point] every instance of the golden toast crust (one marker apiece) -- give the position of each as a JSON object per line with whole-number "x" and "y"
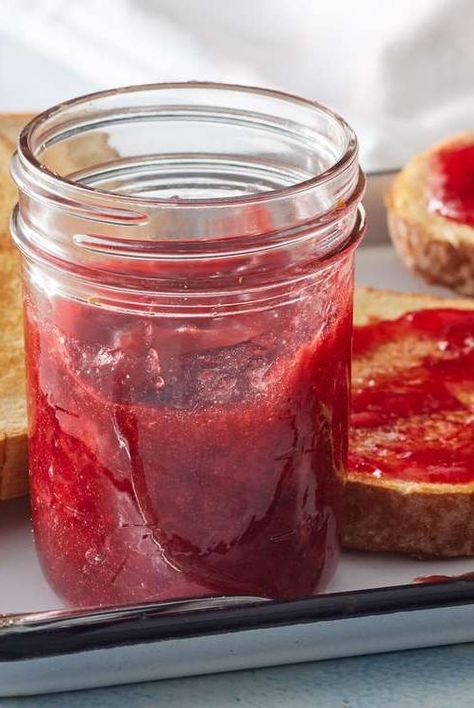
{"x": 13, "y": 427}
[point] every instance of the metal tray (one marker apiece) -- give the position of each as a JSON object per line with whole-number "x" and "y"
{"x": 372, "y": 605}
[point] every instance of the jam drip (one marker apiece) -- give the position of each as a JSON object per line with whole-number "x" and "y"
{"x": 445, "y": 578}
{"x": 417, "y": 423}
{"x": 451, "y": 183}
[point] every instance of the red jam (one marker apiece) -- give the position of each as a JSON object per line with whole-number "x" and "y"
{"x": 186, "y": 460}
{"x": 451, "y": 183}
{"x": 417, "y": 423}
{"x": 444, "y": 578}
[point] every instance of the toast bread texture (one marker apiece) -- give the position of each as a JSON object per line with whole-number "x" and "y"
{"x": 396, "y": 515}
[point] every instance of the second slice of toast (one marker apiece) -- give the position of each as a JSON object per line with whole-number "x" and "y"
{"x": 409, "y": 513}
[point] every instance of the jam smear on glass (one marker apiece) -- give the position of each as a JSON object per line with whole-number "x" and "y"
{"x": 417, "y": 423}
{"x": 451, "y": 183}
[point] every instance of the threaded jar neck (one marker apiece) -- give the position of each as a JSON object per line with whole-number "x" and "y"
{"x": 142, "y": 183}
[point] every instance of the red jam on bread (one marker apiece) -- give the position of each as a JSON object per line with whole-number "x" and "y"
{"x": 451, "y": 183}
{"x": 445, "y": 578}
{"x": 397, "y": 416}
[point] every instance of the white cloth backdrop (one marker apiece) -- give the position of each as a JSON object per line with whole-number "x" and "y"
{"x": 401, "y": 71}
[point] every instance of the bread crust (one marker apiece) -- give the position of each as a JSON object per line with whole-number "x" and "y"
{"x": 439, "y": 250}
{"x": 425, "y": 521}
{"x": 13, "y": 465}
{"x": 13, "y": 425}
{"x": 437, "y": 261}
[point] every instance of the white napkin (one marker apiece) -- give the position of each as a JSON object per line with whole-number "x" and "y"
{"x": 401, "y": 72}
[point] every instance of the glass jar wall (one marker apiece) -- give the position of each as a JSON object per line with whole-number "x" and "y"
{"x": 188, "y": 261}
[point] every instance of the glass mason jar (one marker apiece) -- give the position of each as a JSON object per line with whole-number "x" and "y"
{"x": 188, "y": 281}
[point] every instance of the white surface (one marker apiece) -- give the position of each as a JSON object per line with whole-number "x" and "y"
{"x": 23, "y": 588}
{"x": 400, "y": 72}
{"x": 379, "y": 267}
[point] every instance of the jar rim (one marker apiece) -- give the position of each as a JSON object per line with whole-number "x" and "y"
{"x": 25, "y": 152}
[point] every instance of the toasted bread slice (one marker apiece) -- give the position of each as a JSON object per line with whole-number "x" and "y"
{"x": 66, "y": 158}
{"x": 419, "y": 518}
{"x": 13, "y": 457}
{"x": 438, "y": 249}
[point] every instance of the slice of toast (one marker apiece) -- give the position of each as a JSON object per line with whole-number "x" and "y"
{"x": 438, "y": 249}
{"x": 406, "y": 514}
{"x": 65, "y": 159}
{"x": 13, "y": 457}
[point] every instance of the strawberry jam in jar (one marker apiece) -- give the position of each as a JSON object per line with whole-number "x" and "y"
{"x": 188, "y": 276}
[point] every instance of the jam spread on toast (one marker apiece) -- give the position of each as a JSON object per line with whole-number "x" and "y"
{"x": 451, "y": 183}
{"x": 416, "y": 422}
